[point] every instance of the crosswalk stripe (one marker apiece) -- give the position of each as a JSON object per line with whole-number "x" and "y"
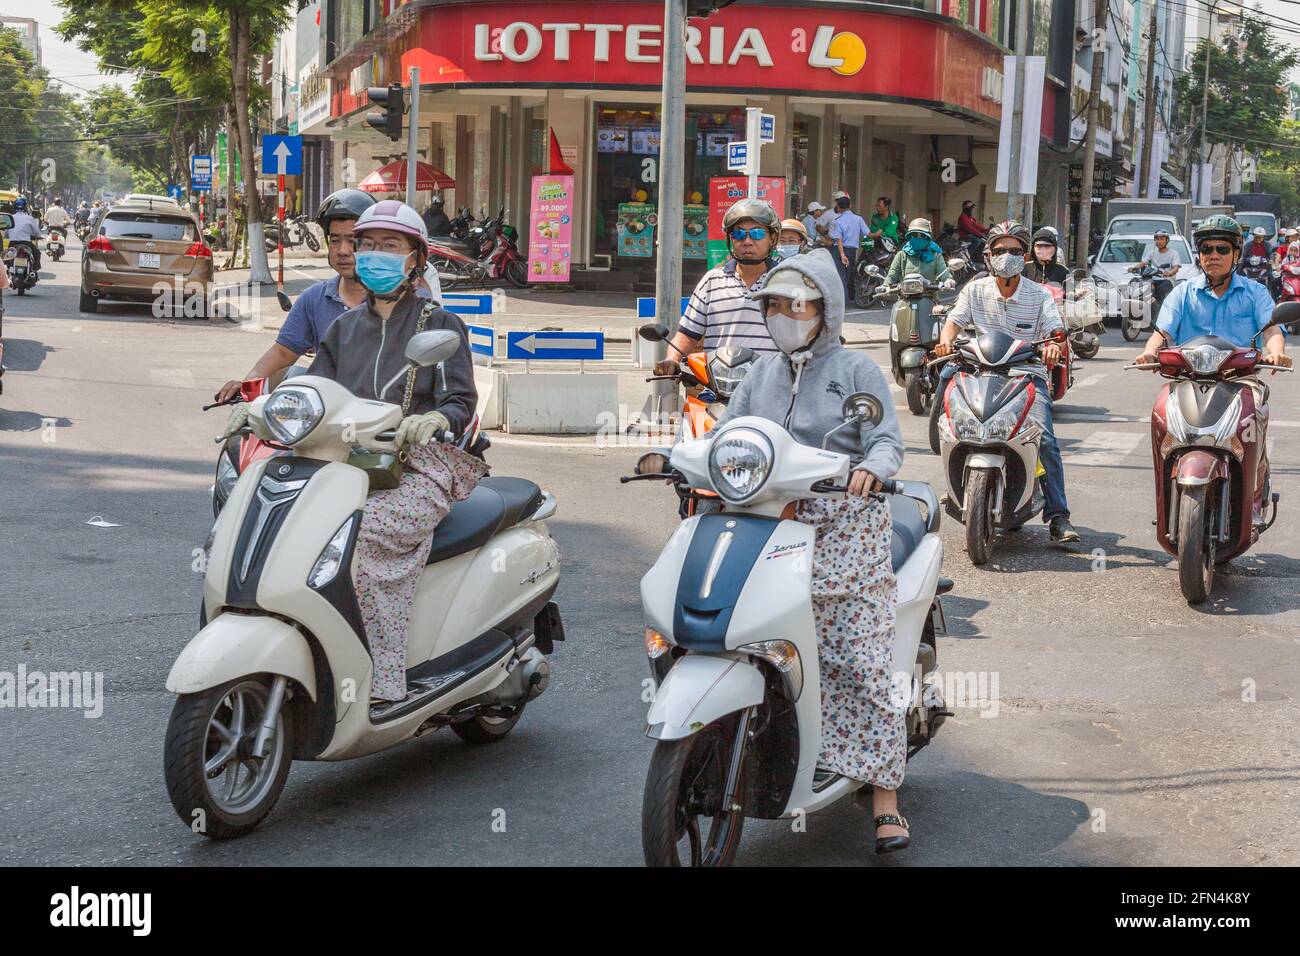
{"x": 1104, "y": 448}
{"x": 1090, "y": 380}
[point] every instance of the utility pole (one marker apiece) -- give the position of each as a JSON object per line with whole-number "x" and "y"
{"x": 413, "y": 138}
{"x": 1018, "y": 111}
{"x": 1149, "y": 118}
{"x": 1101, "y": 10}
{"x": 1205, "y": 101}
{"x": 672, "y": 186}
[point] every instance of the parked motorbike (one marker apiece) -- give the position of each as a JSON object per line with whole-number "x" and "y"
{"x": 282, "y": 671}
{"x": 731, "y": 636}
{"x": 874, "y": 252}
{"x": 20, "y": 260}
{"x": 54, "y": 243}
{"x": 970, "y": 252}
{"x": 988, "y": 442}
{"x": 1209, "y": 452}
{"x": 913, "y": 331}
{"x": 214, "y": 234}
{"x": 710, "y": 381}
{"x": 297, "y": 232}
{"x": 490, "y": 254}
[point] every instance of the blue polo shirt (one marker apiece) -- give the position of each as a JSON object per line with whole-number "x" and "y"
{"x": 311, "y": 316}
{"x": 1191, "y": 309}
{"x": 849, "y": 228}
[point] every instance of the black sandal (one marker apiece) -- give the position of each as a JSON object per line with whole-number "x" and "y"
{"x": 890, "y": 844}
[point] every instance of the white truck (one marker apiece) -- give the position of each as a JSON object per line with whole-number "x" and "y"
{"x": 1142, "y": 217}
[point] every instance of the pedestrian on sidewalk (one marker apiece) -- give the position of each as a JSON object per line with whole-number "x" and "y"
{"x": 720, "y": 311}
{"x": 848, "y": 232}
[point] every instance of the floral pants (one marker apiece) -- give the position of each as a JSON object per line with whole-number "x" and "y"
{"x": 855, "y": 598}
{"x": 392, "y": 548}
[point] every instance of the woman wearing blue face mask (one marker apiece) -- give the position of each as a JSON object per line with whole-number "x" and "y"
{"x": 792, "y": 239}
{"x": 919, "y": 254}
{"x": 362, "y": 350}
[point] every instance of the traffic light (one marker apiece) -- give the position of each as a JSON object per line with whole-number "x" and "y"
{"x": 393, "y": 99}
{"x": 702, "y": 8}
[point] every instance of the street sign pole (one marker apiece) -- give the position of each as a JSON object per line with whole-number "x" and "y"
{"x": 672, "y": 187}
{"x": 280, "y": 216}
{"x": 752, "y": 118}
{"x": 413, "y": 137}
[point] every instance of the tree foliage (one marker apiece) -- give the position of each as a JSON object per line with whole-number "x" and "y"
{"x": 40, "y": 126}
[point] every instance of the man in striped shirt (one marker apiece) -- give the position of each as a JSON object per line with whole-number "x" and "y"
{"x": 719, "y": 311}
{"x": 1006, "y": 301}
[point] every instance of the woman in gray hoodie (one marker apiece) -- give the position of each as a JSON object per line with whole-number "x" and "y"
{"x": 803, "y": 388}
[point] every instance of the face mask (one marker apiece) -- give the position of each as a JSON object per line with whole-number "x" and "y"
{"x": 785, "y": 252}
{"x": 791, "y": 335}
{"x": 381, "y": 272}
{"x": 1006, "y": 265}
{"x": 916, "y": 245}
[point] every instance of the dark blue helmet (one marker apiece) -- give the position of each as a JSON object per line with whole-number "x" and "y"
{"x": 20, "y": 203}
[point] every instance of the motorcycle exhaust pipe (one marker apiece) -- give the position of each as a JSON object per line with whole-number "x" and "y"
{"x": 527, "y": 681}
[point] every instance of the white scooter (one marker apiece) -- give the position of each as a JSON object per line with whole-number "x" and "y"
{"x": 54, "y": 243}
{"x": 282, "y": 669}
{"x": 729, "y": 604}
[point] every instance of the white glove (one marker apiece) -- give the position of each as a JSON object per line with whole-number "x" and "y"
{"x": 238, "y": 419}
{"x": 950, "y": 284}
{"x": 421, "y": 429}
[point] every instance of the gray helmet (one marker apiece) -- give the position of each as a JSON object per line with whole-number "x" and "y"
{"x": 756, "y": 209}
{"x": 342, "y": 204}
{"x": 1011, "y": 228}
{"x": 1161, "y": 232}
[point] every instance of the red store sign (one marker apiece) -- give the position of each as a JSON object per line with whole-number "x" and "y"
{"x": 795, "y": 50}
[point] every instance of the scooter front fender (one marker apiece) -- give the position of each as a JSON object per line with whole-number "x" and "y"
{"x": 700, "y": 689}
{"x": 991, "y": 461}
{"x": 1199, "y": 468}
{"x": 239, "y": 645}
{"x": 911, "y": 358}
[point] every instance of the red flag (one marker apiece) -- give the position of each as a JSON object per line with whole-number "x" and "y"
{"x": 558, "y": 165}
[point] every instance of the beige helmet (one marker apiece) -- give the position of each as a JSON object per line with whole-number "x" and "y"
{"x": 920, "y": 225}
{"x": 794, "y": 225}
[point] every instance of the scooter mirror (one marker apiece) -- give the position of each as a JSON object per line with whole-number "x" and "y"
{"x": 653, "y": 332}
{"x": 873, "y": 270}
{"x": 1284, "y": 313}
{"x": 432, "y": 348}
{"x": 6, "y": 221}
{"x": 956, "y": 264}
{"x": 863, "y": 407}
{"x": 285, "y": 304}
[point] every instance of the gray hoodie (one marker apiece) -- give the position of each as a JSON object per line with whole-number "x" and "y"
{"x": 829, "y": 375}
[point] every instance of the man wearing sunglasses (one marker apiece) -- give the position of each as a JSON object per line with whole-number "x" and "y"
{"x": 719, "y": 311}
{"x": 1219, "y": 301}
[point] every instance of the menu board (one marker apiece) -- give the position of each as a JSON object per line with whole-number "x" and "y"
{"x": 645, "y": 142}
{"x": 551, "y": 219}
{"x": 695, "y": 232}
{"x": 612, "y": 139}
{"x": 636, "y": 229}
{"x": 715, "y": 144}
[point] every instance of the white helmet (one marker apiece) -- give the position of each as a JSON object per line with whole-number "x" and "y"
{"x": 395, "y": 216}
{"x": 1259, "y": 233}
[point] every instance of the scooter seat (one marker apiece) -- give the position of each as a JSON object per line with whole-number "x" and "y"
{"x": 909, "y": 529}
{"x": 494, "y": 504}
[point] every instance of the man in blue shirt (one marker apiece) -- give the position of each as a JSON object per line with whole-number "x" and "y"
{"x": 1219, "y": 301}
{"x": 848, "y": 231}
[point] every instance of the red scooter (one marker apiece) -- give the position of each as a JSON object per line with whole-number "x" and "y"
{"x": 1209, "y": 448}
{"x": 488, "y": 254}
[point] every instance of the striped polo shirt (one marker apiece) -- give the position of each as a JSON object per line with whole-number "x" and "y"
{"x": 720, "y": 313}
{"x": 1029, "y": 313}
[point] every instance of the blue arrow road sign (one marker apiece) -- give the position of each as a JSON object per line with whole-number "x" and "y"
{"x": 645, "y": 306}
{"x": 482, "y": 339}
{"x": 175, "y": 192}
{"x": 282, "y": 154}
{"x": 467, "y": 303}
{"x": 567, "y": 346}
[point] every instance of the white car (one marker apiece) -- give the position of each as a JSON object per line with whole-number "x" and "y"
{"x": 1117, "y": 287}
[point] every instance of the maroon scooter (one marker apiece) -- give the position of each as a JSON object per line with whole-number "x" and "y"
{"x": 1209, "y": 449}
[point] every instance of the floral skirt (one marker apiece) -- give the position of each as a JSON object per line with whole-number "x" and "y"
{"x": 393, "y": 545}
{"x": 855, "y": 598}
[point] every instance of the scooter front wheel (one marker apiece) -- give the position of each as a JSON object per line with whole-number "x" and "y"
{"x": 1086, "y": 346}
{"x": 1131, "y": 329}
{"x": 684, "y": 787}
{"x": 217, "y": 786}
{"x": 1195, "y": 545}
{"x": 979, "y": 516}
{"x": 917, "y": 397}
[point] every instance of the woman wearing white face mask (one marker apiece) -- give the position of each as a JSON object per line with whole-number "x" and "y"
{"x": 803, "y": 387}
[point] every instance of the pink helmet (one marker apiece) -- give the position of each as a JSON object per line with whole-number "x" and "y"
{"x": 395, "y": 216}
{"x": 1293, "y": 249}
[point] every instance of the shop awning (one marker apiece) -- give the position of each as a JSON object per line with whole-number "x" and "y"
{"x": 392, "y": 178}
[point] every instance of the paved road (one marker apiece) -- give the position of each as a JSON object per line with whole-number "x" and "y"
{"x": 1121, "y": 735}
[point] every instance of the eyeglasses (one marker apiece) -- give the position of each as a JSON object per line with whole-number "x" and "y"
{"x": 1015, "y": 250}
{"x": 739, "y": 234}
{"x": 1215, "y": 249}
{"x": 1044, "y": 245}
{"x": 396, "y": 246}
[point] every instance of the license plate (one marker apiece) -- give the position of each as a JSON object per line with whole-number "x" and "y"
{"x": 20, "y": 262}
{"x": 149, "y": 260}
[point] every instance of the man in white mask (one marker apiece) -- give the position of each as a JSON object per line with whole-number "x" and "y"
{"x": 1006, "y": 300}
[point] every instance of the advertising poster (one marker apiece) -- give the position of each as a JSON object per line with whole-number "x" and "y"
{"x": 645, "y": 142}
{"x": 724, "y": 191}
{"x": 695, "y": 232}
{"x": 549, "y": 247}
{"x": 613, "y": 139}
{"x": 636, "y": 229}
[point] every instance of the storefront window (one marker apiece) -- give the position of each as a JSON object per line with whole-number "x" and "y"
{"x": 627, "y": 172}
{"x": 850, "y": 150}
{"x": 803, "y": 163}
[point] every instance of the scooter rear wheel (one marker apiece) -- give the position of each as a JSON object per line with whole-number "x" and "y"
{"x": 684, "y": 785}
{"x": 1195, "y": 545}
{"x": 217, "y": 787}
{"x": 517, "y": 273}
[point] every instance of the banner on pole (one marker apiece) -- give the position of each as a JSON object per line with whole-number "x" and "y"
{"x": 551, "y": 219}
{"x": 1030, "y": 127}
{"x": 724, "y": 191}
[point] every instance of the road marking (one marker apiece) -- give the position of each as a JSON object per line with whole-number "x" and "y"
{"x": 1065, "y": 415}
{"x": 1104, "y": 448}
{"x": 1090, "y": 380}
{"x": 172, "y": 377}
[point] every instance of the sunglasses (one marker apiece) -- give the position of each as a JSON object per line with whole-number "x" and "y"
{"x": 1215, "y": 249}
{"x": 739, "y": 234}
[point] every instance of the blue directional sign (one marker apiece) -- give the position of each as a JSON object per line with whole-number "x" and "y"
{"x": 737, "y": 154}
{"x": 201, "y": 173}
{"x": 468, "y": 303}
{"x": 482, "y": 339}
{"x": 645, "y": 306}
{"x": 282, "y": 155}
{"x": 175, "y": 192}
{"x": 566, "y": 346}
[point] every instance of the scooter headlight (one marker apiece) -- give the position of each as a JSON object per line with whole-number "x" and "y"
{"x": 912, "y": 285}
{"x": 224, "y": 483}
{"x": 656, "y": 645}
{"x": 1002, "y": 425}
{"x": 726, "y": 380}
{"x": 1227, "y": 430}
{"x": 784, "y": 656}
{"x": 965, "y": 426}
{"x": 327, "y": 566}
{"x": 292, "y": 412}
{"x": 1206, "y": 359}
{"x": 739, "y": 463}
